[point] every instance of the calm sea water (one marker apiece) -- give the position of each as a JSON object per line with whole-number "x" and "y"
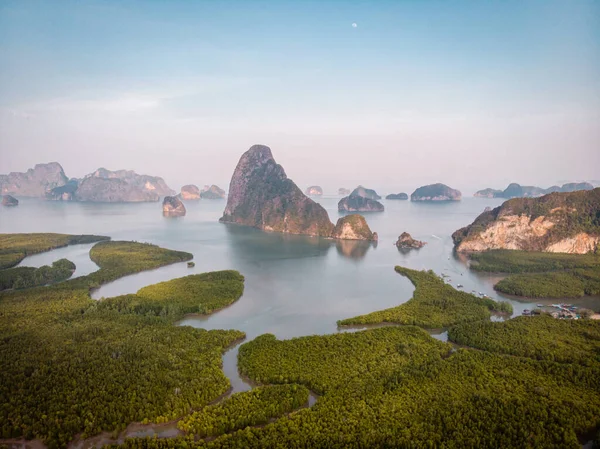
{"x": 295, "y": 285}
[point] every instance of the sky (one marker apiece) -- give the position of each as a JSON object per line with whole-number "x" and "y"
{"x": 469, "y": 93}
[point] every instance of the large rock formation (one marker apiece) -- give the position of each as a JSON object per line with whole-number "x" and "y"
{"x": 9, "y": 201}
{"x": 405, "y": 241}
{"x": 35, "y": 182}
{"x": 314, "y": 191}
{"x": 515, "y": 190}
{"x": 557, "y": 222}
{"x": 121, "y": 186}
{"x": 190, "y": 192}
{"x": 397, "y": 196}
{"x": 344, "y": 191}
{"x": 173, "y": 207}
{"x": 435, "y": 192}
{"x": 361, "y": 200}
{"x": 261, "y": 195}
{"x": 212, "y": 193}
{"x": 353, "y": 227}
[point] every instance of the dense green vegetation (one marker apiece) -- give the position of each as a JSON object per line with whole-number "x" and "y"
{"x": 26, "y": 277}
{"x": 249, "y": 408}
{"x": 15, "y": 247}
{"x": 509, "y": 261}
{"x": 398, "y": 387}
{"x": 198, "y": 293}
{"x": 434, "y": 304}
{"x": 542, "y": 275}
{"x": 70, "y": 365}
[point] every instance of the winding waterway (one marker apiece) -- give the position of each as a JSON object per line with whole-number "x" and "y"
{"x": 294, "y": 285}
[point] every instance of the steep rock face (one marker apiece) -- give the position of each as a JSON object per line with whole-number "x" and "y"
{"x": 190, "y": 192}
{"x": 121, "y": 186}
{"x": 9, "y": 201}
{"x": 212, "y": 193}
{"x": 557, "y": 222}
{"x": 173, "y": 207}
{"x": 359, "y": 204}
{"x": 574, "y": 186}
{"x": 488, "y": 193}
{"x": 397, "y": 196}
{"x": 343, "y": 191}
{"x": 35, "y": 182}
{"x": 261, "y": 195}
{"x": 314, "y": 191}
{"x": 436, "y": 192}
{"x": 405, "y": 241}
{"x": 353, "y": 227}
{"x": 515, "y": 190}
{"x": 365, "y": 193}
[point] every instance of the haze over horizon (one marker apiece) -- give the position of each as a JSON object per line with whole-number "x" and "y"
{"x": 473, "y": 95}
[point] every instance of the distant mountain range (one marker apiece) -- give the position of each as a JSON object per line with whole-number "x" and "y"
{"x": 515, "y": 190}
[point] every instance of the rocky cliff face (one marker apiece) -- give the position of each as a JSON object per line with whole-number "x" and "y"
{"x": 557, "y": 222}
{"x": 314, "y": 191}
{"x": 397, "y": 196}
{"x": 405, "y": 241}
{"x": 261, "y": 195}
{"x": 353, "y": 227}
{"x": 436, "y": 192}
{"x": 190, "y": 192}
{"x": 35, "y": 182}
{"x": 63, "y": 193}
{"x": 173, "y": 207}
{"x": 9, "y": 201}
{"x": 212, "y": 193}
{"x": 121, "y": 186}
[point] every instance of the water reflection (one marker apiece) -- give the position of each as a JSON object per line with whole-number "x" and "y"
{"x": 354, "y": 249}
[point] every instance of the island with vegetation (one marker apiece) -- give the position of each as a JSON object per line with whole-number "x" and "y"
{"x": 314, "y": 191}
{"x": 212, "y": 193}
{"x": 190, "y": 192}
{"x": 173, "y": 207}
{"x": 361, "y": 200}
{"x": 405, "y": 241}
{"x": 436, "y": 192}
{"x": 9, "y": 201}
{"x": 397, "y": 196}
{"x": 557, "y": 222}
{"x": 353, "y": 227}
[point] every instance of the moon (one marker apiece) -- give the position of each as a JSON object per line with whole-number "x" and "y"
{"x": 354, "y": 25}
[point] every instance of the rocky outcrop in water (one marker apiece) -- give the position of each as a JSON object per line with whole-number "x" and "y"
{"x": 9, "y": 201}
{"x": 353, "y": 227}
{"x": 343, "y": 191}
{"x": 397, "y": 196}
{"x": 314, "y": 191}
{"x": 436, "y": 192}
{"x": 190, "y": 192}
{"x": 359, "y": 204}
{"x": 361, "y": 200}
{"x": 173, "y": 207}
{"x": 515, "y": 190}
{"x": 557, "y": 222}
{"x": 261, "y": 195}
{"x": 35, "y": 182}
{"x": 121, "y": 186}
{"x": 212, "y": 193}
{"x": 405, "y": 241}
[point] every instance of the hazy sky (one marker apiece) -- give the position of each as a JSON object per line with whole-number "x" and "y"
{"x": 469, "y": 93}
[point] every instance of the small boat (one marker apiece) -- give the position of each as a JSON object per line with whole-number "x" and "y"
{"x": 459, "y": 286}
{"x": 526, "y": 312}
{"x": 540, "y": 305}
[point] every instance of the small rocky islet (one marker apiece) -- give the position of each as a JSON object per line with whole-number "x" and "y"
{"x": 190, "y": 192}
{"x": 405, "y": 241}
{"x": 173, "y": 207}
{"x": 212, "y": 193}
{"x": 314, "y": 191}
{"x": 515, "y": 190}
{"x": 9, "y": 201}
{"x": 397, "y": 196}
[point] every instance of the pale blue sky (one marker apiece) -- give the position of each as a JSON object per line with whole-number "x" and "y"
{"x": 469, "y": 93}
